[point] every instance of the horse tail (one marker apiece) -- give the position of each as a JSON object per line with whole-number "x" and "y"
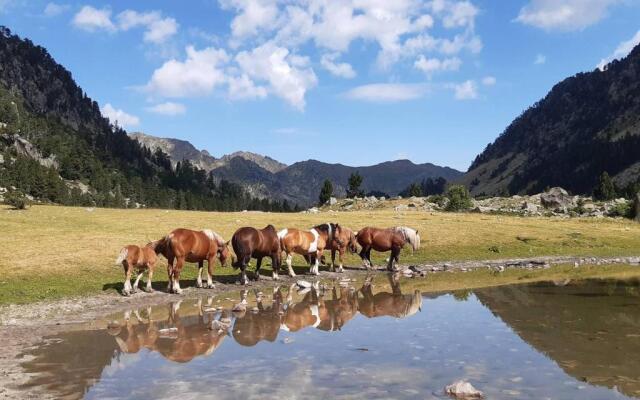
{"x": 122, "y": 256}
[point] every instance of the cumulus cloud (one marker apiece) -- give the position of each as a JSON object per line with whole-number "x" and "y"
{"x": 197, "y": 75}
{"x": 119, "y": 117}
{"x": 55, "y": 9}
{"x": 387, "y": 92}
{"x": 540, "y": 59}
{"x": 168, "y": 108}
{"x": 621, "y": 51}
{"x": 467, "y": 90}
{"x": 288, "y": 75}
{"x": 93, "y": 19}
{"x": 432, "y": 65}
{"x": 243, "y": 88}
{"x": 564, "y": 15}
{"x": 342, "y": 70}
{"x": 157, "y": 28}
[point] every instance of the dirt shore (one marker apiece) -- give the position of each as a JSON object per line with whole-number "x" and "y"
{"x": 25, "y": 326}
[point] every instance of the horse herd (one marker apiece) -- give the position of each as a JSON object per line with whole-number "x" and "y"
{"x": 185, "y": 245}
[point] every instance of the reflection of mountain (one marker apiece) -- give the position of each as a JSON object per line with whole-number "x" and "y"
{"x": 591, "y": 329}
{"x": 69, "y": 365}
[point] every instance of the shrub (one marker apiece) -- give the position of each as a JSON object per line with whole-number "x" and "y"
{"x": 459, "y": 198}
{"x": 622, "y": 210}
{"x": 17, "y": 200}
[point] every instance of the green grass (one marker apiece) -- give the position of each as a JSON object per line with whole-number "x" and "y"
{"x": 50, "y": 252}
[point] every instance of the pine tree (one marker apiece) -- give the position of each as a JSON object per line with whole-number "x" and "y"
{"x": 605, "y": 190}
{"x": 326, "y": 192}
{"x": 355, "y": 181}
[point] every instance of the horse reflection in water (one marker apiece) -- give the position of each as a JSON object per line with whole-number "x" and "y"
{"x": 182, "y": 341}
{"x": 250, "y": 328}
{"x": 394, "y": 304}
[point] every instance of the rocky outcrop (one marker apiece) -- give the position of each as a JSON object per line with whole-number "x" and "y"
{"x": 27, "y": 149}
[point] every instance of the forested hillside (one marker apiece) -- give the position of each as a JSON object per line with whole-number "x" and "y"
{"x": 57, "y": 147}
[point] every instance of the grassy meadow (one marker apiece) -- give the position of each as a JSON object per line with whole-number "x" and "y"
{"x": 50, "y": 252}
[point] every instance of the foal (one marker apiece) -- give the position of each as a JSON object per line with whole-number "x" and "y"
{"x": 383, "y": 240}
{"x": 308, "y": 243}
{"x": 139, "y": 258}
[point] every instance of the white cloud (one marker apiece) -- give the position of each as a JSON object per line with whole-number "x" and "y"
{"x": 467, "y": 90}
{"x": 253, "y": 15}
{"x": 93, "y": 19}
{"x": 461, "y": 14}
{"x": 158, "y": 29}
{"x": 540, "y": 59}
{"x": 343, "y": 70}
{"x": 564, "y": 15}
{"x": 489, "y": 80}
{"x": 288, "y": 75}
{"x": 621, "y": 51}
{"x": 54, "y": 9}
{"x": 168, "y": 108}
{"x": 388, "y": 92}
{"x": 119, "y": 117}
{"x": 432, "y": 65}
{"x": 197, "y": 75}
{"x": 243, "y": 88}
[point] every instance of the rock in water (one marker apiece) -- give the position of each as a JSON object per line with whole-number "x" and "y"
{"x": 463, "y": 390}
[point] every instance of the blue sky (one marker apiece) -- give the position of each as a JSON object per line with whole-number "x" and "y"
{"x": 350, "y": 81}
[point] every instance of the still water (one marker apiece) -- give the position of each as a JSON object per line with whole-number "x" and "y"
{"x": 562, "y": 340}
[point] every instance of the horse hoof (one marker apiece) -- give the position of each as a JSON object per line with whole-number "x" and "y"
{"x": 340, "y": 271}
{"x": 211, "y": 286}
{"x": 178, "y": 291}
{"x": 149, "y": 290}
{"x": 125, "y": 293}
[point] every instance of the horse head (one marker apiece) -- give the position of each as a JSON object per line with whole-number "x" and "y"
{"x": 353, "y": 243}
{"x": 224, "y": 253}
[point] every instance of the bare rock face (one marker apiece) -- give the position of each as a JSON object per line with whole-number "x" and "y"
{"x": 27, "y": 149}
{"x": 556, "y": 198}
{"x": 463, "y": 390}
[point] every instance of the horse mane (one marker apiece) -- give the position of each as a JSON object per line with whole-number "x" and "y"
{"x": 214, "y": 236}
{"x": 327, "y": 227}
{"x": 414, "y": 305}
{"x": 410, "y": 235}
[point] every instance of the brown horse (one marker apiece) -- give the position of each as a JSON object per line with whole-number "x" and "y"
{"x": 309, "y": 243}
{"x": 140, "y": 258}
{"x": 255, "y": 243}
{"x": 346, "y": 240}
{"x": 384, "y": 240}
{"x": 394, "y": 304}
{"x": 135, "y": 337}
{"x": 191, "y": 246}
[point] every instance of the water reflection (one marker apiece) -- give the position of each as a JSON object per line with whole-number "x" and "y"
{"x": 585, "y": 336}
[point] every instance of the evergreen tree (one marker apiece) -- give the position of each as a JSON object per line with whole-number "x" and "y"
{"x": 415, "y": 190}
{"x": 326, "y": 192}
{"x": 459, "y": 198}
{"x": 355, "y": 181}
{"x": 605, "y": 190}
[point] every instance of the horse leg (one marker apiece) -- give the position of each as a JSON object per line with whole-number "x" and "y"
{"x": 135, "y": 284}
{"x": 275, "y": 265}
{"x": 394, "y": 256}
{"x": 289, "y": 259}
{"x": 369, "y": 258}
{"x": 199, "y": 278}
{"x": 363, "y": 255}
{"x": 210, "y": 263}
{"x": 333, "y": 260}
{"x": 176, "y": 275}
{"x": 258, "y": 265}
{"x": 341, "y": 254}
{"x": 316, "y": 263}
{"x": 170, "y": 262}
{"x": 243, "y": 270}
{"x": 152, "y": 267}
{"x": 126, "y": 290}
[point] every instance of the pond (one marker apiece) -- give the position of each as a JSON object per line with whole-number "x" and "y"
{"x": 551, "y": 340}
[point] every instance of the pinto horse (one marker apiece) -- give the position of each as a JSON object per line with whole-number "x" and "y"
{"x": 309, "y": 244}
{"x": 384, "y": 240}
{"x": 255, "y": 243}
{"x": 141, "y": 258}
{"x": 192, "y": 246}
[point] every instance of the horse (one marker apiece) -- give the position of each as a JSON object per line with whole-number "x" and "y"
{"x": 191, "y": 246}
{"x": 346, "y": 241}
{"x": 250, "y": 328}
{"x": 384, "y": 240}
{"x": 394, "y": 304}
{"x": 255, "y": 243}
{"x": 135, "y": 337}
{"x": 141, "y": 258}
{"x": 310, "y": 311}
{"x": 309, "y": 243}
